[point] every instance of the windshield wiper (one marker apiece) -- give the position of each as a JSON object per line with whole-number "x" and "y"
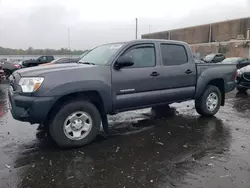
{"x": 87, "y": 63}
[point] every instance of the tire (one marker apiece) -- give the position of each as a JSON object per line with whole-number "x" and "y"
{"x": 201, "y": 105}
{"x": 7, "y": 74}
{"x": 57, "y": 126}
{"x": 242, "y": 89}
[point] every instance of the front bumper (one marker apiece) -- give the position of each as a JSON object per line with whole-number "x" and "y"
{"x": 242, "y": 83}
{"x": 29, "y": 109}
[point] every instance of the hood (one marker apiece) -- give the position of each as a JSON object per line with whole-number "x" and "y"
{"x": 245, "y": 69}
{"x": 40, "y": 70}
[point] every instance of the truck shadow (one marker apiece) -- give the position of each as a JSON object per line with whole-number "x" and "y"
{"x": 170, "y": 147}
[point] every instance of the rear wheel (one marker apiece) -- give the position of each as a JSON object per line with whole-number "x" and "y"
{"x": 209, "y": 103}
{"x": 241, "y": 89}
{"x": 75, "y": 124}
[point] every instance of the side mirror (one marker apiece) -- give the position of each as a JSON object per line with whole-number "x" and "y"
{"x": 124, "y": 61}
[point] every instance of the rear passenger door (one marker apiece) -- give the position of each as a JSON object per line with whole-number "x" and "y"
{"x": 178, "y": 73}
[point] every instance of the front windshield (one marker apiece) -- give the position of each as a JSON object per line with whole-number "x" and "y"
{"x": 231, "y": 60}
{"x": 101, "y": 54}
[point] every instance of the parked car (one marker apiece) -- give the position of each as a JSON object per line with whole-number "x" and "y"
{"x": 2, "y": 76}
{"x": 9, "y": 68}
{"x": 35, "y": 62}
{"x": 71, "y": 100}
{"x": 243, "y": 79}
{"x": 61, "y": 61}
{"x": 238, "y": 61}
{"x": 214, "y": 58}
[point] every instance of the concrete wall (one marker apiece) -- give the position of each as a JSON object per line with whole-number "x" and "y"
{"x": 229, "y": 49}
{"x": 221, "y": 31}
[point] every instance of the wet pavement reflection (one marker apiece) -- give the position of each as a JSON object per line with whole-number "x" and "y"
{"x": 146, "y": 148}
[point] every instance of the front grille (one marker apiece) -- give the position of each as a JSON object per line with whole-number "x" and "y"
{"x": 246, "y": 76}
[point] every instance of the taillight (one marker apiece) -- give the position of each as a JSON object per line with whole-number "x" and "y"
{"x": 17, "y": 66}
{"x": 235, "y": 78}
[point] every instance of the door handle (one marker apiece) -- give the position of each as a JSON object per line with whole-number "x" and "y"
{"x": 188, "y": 71}
{"x": 154, "y": 74}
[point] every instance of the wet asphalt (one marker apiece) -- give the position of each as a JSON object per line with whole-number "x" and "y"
{"x": 177, "y": 148}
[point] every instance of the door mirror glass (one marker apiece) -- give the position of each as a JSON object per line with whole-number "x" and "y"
{"x": 124, "y": 61}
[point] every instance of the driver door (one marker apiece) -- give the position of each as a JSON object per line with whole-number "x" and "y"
{"x": 134, "y": 86}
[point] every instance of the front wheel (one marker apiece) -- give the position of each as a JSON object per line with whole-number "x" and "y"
{"x": 209, "y": 103}
{"x": 75, "y": 124}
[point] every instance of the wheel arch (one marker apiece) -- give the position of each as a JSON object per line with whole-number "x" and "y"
{"x": 92, "y": 96}
{"x": 218, "y": 82}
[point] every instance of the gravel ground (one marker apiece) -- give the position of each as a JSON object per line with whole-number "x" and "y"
{"x": 145, "y": 149}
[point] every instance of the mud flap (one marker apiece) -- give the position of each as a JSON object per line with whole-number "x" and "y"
{"x": 105, "y": 124}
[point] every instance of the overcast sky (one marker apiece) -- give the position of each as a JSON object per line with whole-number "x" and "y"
{"x": 45, "y": 23}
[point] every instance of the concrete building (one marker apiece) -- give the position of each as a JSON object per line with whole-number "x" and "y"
{"x": 230, "y": 37}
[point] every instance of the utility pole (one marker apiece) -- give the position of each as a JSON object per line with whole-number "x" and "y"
{"x": 136, "y": 27}
{"x": 210, "y": 33}
{"x": 69, "y": 42}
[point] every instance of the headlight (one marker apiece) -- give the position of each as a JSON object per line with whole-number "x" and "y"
{"x": 239, "y": 72}
{"x": 29, "y": 85}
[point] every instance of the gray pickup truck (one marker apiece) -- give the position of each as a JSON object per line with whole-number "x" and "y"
{"x": 72, "y": 100}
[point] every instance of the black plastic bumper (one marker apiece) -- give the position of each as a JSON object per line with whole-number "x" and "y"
{"x": 29, "y": 109}
{"x": 243, "y": 84}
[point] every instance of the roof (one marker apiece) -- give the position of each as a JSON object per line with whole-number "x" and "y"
{"x": 152, "y": 40}
{"x": 147, "y": 41}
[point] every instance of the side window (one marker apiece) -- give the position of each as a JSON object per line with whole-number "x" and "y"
{"x": 50, "y": 58}
{"x": 43, "y": 59}
{"x": 173, "y": 54}
{"x": 143, "y": 56}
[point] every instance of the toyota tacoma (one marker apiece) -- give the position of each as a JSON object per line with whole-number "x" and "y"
{"x": 72, "y": 101}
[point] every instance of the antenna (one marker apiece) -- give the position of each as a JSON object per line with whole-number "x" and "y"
{"x": 136, "y": 27}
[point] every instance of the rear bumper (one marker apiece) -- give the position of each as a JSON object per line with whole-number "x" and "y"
{"x": 29, "y": 109}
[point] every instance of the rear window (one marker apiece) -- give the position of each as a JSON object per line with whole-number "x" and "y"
{"x": 173, "y": 54}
